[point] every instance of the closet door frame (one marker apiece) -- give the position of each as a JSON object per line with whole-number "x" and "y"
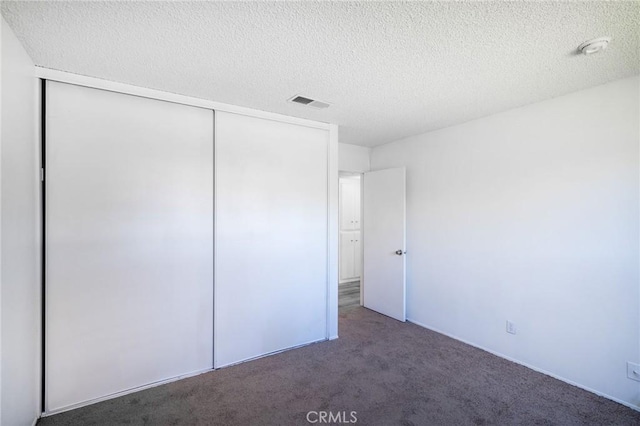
{"x": 44, "y": 74}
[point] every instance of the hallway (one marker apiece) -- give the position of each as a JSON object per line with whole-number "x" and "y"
{"x": 349, "y": 294}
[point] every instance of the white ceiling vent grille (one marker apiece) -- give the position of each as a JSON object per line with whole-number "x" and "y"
{"x": 297, "y": 99}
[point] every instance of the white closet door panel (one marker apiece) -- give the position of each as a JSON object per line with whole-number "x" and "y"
{"x": 271, "y": 238}
{"x": 129, "y": 240}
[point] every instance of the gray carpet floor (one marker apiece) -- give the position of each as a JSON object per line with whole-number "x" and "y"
{"x": 388, "y": 372}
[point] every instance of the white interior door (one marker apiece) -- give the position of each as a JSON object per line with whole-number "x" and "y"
{"x": 384, "y": 242}
{"x": 271, "y": 236}
{"x": 129, "y": 243}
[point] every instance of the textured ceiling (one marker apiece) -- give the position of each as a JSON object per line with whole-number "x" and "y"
{"x": 390, "y": 69}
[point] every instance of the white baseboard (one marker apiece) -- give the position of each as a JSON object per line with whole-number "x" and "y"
{"x": 173, "y": 379}
{"x": 532, "y": 367}
{"x": 123, "y": 393}
{"x": 242, "y": 361}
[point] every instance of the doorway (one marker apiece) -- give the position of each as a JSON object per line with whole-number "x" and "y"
{"x": 350, "y": 264}
{"x": 372, "y": 228}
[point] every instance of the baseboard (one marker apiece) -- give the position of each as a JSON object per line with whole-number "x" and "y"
{"x": 279, "y": 351}
{"x": 532, "y": 367}
{"x": 165, "y": 381}
{"x": 35, "y": 421}
{"x": 123, "y": 393}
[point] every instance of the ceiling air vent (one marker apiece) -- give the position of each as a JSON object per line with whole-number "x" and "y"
{"x": 309, "y": 102}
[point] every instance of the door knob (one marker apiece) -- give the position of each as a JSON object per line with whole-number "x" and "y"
{"x": 400, "y": 252}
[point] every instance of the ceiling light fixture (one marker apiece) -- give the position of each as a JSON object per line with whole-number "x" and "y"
{"x": 594, "y": 46}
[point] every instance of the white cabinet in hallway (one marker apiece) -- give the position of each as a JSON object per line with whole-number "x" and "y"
{"x": 350, "y": 241}
{"x": 349, "y": 204}
{"x": 349, "y": 256}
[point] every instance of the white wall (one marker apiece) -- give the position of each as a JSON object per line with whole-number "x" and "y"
{"x": 20, "y": 359}
{"x": 353, "y": 158}
{"x": 532, "y": 215}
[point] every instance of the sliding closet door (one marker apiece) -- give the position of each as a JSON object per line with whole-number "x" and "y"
{"x": 129, "y": 243}
{"x": 271, "y": 236}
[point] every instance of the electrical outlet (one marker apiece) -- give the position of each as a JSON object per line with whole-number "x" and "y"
{"x": 633, "y": 371}
{"x": 511, "y": 327}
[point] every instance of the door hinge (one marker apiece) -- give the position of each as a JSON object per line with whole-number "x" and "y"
{"x": 42, "y": 174}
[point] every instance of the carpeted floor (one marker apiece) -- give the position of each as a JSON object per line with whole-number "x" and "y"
{"x": 388, "y": 372}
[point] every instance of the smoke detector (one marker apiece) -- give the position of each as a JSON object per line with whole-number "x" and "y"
{"x": 594, "y": 46}
{"x": 302, "y": 100}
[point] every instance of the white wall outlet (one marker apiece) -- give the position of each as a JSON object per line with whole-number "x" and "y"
{"x": 633, "y": 371}
{"x": 511, "y": 327}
